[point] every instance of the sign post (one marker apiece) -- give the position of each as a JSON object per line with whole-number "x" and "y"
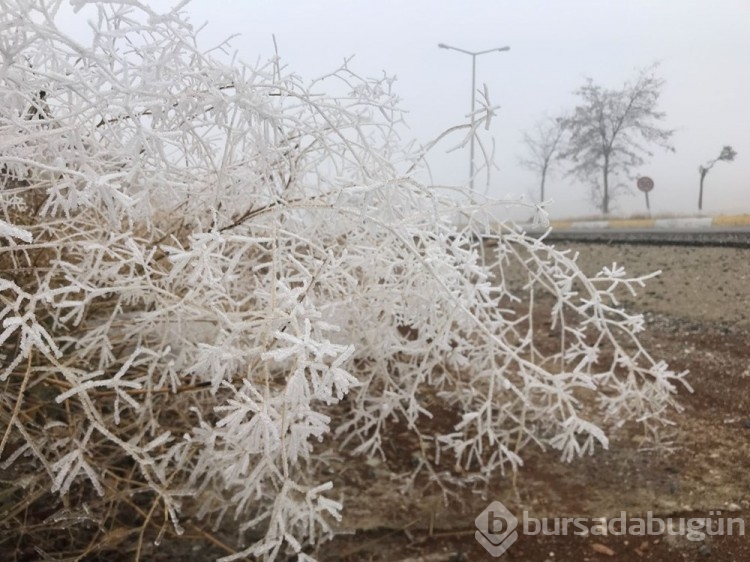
{"x": 646, "y": 184}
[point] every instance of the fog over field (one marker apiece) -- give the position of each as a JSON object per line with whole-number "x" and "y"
{"x": 702, "y": 48}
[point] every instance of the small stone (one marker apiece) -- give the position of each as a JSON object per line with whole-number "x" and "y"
{"x": 734, "y": 507}
{"x": 704, "y": 550}
{"x": 602, "y": 549}
{"x": 747, "y": 423}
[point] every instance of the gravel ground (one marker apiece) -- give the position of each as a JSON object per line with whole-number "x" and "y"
{"x": 698, "y": 284}
{"x": 698, "y": 319}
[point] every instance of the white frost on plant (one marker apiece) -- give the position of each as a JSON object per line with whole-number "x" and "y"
{"x": 232, "y": 269}
{"x": 9, "y": 231}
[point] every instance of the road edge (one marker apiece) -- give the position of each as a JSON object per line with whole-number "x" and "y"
{"x": 722, "y": 221}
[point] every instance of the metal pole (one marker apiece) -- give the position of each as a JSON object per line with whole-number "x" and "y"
{"x": 474, "y": 55}
{"x": 473, "y": 102}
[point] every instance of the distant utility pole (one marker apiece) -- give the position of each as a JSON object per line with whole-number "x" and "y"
{"x": 474, "y": 56}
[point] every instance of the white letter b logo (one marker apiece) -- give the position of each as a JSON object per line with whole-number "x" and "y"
{"x": 496, "y": 528}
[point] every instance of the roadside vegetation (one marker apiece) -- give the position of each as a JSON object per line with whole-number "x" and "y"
{"x": 216, "y": 279}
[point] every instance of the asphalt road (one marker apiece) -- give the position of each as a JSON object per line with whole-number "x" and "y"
{"x": 729, "y": 237}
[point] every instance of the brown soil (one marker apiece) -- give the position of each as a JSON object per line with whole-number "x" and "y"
{"x": 698, "y": 317}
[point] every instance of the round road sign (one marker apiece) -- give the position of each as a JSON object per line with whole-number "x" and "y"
{"x": 645, "y": 184}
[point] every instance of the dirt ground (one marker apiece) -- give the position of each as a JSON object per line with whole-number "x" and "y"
{"x": 698, "y": 318}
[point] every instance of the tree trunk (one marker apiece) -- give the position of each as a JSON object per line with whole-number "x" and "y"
{"x": 544, "y": 177}
{"x": 605, "y": 200}
{"x": 704, "y": 171}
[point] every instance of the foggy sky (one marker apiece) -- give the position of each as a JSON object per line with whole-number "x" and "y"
{"x": 703, "y": 49}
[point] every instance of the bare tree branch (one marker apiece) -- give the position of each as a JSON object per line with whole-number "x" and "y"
{"x": 611, "y": 131}
{"x": 542, "y": 146}
{"x": 727, "y": 154}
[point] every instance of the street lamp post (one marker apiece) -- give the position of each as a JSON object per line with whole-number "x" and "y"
{"x": 474, "y": 56}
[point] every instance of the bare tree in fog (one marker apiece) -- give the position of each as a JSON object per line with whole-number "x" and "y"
{"x": 611, "y": 130}
{"x": 727, "y": 154}
{"x": 542, "y": 149}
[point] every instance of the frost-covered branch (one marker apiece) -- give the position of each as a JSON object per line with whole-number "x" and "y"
{"x": 211, "y": 272}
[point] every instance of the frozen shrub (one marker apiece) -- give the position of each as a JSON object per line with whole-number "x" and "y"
{"x": 211, "y": 271}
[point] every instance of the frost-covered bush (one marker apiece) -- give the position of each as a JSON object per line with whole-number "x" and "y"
{"x": 211, "y": 272}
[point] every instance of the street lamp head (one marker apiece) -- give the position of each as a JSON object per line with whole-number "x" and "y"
{"x": 474, "y": 55}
